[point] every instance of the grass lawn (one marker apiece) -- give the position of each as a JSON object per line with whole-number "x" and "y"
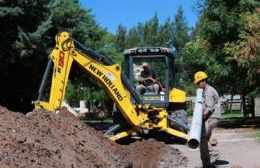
{"x": 236, "y": 114}
{"x": 257, "y": 135}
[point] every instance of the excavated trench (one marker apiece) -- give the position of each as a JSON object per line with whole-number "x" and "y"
{"x": 44, "y": 139}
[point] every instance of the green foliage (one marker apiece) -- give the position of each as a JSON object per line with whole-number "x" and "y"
{"x": 224, "y": 43}
{"x": 180, "y": 29}
{"x": 78, "y": 91}
{"x": 246, "y": 49}
{"x": 75, "y": 92}
{"x": 194, "y": 59}
{"x": 217, "y": 45}
{"x": 257, "y": 135}
{"x": 150, "y": 33}
{"x": 133, "y": 38}
{"x": 121, "y": 38}
{"x": 28, "y": 28}
{"x": 166, "y": 33}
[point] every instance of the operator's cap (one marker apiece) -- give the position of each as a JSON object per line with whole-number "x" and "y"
{"x": 145, "y": 64}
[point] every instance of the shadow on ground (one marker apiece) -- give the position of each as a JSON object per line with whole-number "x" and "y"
{"x": 101, "y": 126}
{"x": 221, "y": 163}
{"x": 151, "y": 136}
{"x": 238, "y": 122}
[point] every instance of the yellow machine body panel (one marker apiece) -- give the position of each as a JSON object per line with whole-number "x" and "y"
{"x": 177, "y": 96}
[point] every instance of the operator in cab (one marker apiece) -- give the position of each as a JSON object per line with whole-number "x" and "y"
{"x": 148, "y": 80}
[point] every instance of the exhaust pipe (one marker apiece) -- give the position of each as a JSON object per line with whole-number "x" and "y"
{"x": 196, "y": 125}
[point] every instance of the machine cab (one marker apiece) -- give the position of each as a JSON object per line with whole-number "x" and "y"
{"x": 149, "y": 70}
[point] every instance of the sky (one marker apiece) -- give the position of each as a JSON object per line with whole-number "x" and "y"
{"x": 110, "y": 13}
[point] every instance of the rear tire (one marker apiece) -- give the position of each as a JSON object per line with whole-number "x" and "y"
{"x": 118, "y": 118}
{"x": 180, "y": 116}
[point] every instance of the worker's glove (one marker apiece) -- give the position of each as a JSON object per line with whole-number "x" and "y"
{"x": 213, "y": 142}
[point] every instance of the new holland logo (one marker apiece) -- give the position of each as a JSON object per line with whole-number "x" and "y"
{"x": 108, "y": 79}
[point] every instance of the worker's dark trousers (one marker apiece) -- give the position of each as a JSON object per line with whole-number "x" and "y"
{"x": 206, "y": 149}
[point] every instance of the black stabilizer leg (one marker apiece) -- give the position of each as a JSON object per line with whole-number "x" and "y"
{"x": 44, "y": 79}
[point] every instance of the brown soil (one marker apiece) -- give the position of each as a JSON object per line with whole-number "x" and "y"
{"x": 44, "y": 139}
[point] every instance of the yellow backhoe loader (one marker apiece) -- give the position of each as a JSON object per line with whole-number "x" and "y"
{"x": 143, "y": 112}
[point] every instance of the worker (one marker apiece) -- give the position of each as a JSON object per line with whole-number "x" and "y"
{"x": 148, "y": 80}
{"x": 211, "y": 116}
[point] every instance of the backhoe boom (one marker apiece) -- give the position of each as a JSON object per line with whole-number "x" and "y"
{"x": 109, "y": 75}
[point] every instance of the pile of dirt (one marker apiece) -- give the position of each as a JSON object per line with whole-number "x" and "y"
{"x": 146, "y": 154}
{"x": 44, "y": 139}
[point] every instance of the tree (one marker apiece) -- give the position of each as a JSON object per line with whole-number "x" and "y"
{"x": 246, "y": 49}
{"x": 219, "y": 25}
{"x": 151, "y": 32}
{"x": 28, "y": 28}
{"x": 166, "y": 32}
{"x": 133, "y": 38}
{"x": 181, "y": 30}
{"x": 121, "y": 38}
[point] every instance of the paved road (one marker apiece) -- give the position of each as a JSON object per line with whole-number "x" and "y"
{"x": 237, "y": 149}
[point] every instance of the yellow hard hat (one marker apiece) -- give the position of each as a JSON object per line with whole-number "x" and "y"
{"x": 200, "y": 75}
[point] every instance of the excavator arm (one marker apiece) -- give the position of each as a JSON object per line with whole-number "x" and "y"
{"x": 110, "y": 76}
{"x": 63, "y": 55}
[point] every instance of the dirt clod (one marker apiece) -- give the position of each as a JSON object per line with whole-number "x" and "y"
{"x": 44, "y": 139}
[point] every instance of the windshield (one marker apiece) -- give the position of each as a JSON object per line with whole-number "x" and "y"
{"x": 149, "y": 74}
